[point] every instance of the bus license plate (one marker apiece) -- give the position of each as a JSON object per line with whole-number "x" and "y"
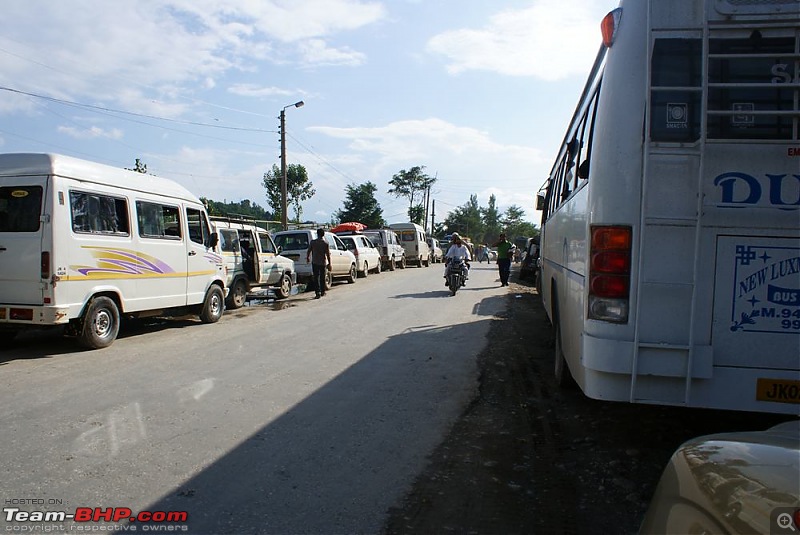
{"x": 778, "y": 390}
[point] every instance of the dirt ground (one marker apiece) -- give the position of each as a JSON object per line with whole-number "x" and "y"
{"x": 526, "y": 457}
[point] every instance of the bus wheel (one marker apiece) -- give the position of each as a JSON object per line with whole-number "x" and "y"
{"x": 237, "y": 295}
{"x": 562, "y": 375}
{"x": 100, "y": 323}
{"x": 213, "y": 305}
{"x": 284, "y": 288}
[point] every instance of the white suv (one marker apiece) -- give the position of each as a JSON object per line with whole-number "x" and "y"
{"x": 367, "y": 256}
{"x": 388, "y": 244}
{"x": 244, "y": 246}
{"x": 294, "y": 244}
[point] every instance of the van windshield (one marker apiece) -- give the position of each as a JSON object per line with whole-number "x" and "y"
{"x": 20, "y": 208}
{"x": 292, "y": 242}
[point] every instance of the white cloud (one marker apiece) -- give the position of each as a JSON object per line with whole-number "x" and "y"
{"x": 551, "y": 39}
{"x": 91, "y": 132}
{"x": 317, "y": 52}
{"x": 252, "y": 90}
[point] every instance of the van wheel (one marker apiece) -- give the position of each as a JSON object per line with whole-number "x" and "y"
{"x": 237, "y": 295}
{"x": 284, "y": 289}
{"x": 100, "y": 323}
{"x": 351, "y": 277}
{"x": 402, "y": 262}
{"x": 392, "y": 265}
{"x": 213, "y": 305}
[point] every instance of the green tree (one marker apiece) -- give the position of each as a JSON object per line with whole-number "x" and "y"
{"x": 491, "y": 221}
{"x": 416, "y": 214}
{"x": 298, "y": 189}
{"x": 515, "y": 225}
{"x": 245, "y": 209}
{"x": 466, "y": 220}
{"x": 411, "y": 184}
{"x": 361, "y": 205}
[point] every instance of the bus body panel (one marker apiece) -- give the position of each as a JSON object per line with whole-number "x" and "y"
{"x": 714, "y": 306}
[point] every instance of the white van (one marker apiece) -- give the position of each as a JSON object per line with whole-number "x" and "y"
{"x": 244, "y": 246}
{"x": 414, "y": 241}
{"x": 82, "y": 244}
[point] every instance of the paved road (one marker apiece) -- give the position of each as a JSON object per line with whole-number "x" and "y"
{"x": 310, "y": 416}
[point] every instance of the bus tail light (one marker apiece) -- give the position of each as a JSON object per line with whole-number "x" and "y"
{"x": 610, "y": 273}
{"x": 610, "y": 25}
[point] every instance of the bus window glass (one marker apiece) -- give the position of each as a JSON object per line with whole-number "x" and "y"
{"x": 752, "y": 74}
{"x": 675, "y": 97}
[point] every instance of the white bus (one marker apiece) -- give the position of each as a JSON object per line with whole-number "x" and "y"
{"x": 84, "y": 244}
{"x": 670, "y": 247}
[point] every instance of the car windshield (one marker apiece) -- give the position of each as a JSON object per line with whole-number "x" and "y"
{"x": 292, "y": 242}
{"x": 375, "y": 238}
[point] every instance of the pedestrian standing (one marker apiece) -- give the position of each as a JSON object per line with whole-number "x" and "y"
{"x": 505, "y": 252}
{"x": 318, "y": 252}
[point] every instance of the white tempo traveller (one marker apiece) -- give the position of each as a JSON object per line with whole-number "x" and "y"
{"x": 83, "y": 244}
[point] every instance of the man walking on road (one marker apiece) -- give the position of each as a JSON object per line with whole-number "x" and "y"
{"x": 318, "y": 252}
{"x": 505, "y": 252}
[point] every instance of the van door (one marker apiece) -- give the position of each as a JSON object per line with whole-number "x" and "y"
{"x": 202, "y": 264}
{"x": 270, "y": 273}
{"x": 22, "y": 239}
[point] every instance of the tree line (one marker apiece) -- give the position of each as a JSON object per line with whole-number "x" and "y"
{"x": 481, "y": 224}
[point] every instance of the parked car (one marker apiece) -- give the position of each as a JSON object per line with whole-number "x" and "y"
{"x": 437, "y": 255}
{"x": 367, "y": 256}
{"x": 730, "y": 483}
{"x": 388, "y": 243}
{"x": 413, "y": 240}
{"x": 293, "y": 244}
{"x": 243, "y": 246}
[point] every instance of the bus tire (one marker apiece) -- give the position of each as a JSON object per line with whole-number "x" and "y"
{"x": 561, "y": 371}
{"x": 100, "y": 323}
{"x": 213, "y": 305}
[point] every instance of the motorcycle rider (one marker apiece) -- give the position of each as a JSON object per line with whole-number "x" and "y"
{"x": 456, "y": 249}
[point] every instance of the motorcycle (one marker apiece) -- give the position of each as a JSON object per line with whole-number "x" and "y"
{"x": 456, "y": 274}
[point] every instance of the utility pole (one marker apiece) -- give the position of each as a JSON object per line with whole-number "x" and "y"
{"x": 433, "y": 214}
{"x": 284, "y": 192}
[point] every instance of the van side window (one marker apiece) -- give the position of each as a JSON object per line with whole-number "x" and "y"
{"x": 199, "y": 231}
{"x": 94, "y": 213}
{"x": 158, "y": 220}
{"x": 20, "y": 208}
{"x": 267, "y": 246}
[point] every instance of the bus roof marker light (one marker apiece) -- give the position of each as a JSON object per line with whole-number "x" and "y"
{"x": 610, "y": 25}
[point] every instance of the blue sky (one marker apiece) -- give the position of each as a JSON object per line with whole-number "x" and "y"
{"x": 479, "y": 92}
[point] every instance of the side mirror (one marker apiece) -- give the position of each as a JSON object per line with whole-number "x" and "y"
{"x": 213, "y": 240}
{"x": 540, "y": 202}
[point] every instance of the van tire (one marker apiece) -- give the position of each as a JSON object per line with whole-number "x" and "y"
{"x": 100, "y": 323}
{"x": 351, "y": 277}
{"x": 402, "y": 264}
{"x": 392, "y": 265}
{"x": 213, "y": 305}
{"x": 237, "y": 295}
{"x": 284, "y": 289}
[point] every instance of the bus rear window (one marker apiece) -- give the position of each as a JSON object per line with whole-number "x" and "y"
{"x": 20, "y": 208}
{"x": 752, "y": 93}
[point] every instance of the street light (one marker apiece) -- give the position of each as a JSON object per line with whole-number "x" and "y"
{"x": 284, "y": 203}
